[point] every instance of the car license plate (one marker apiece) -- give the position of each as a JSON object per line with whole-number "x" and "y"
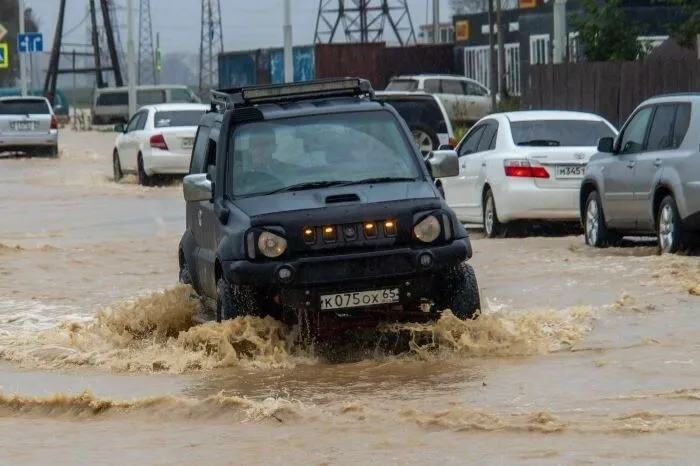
{"x": 359, "y": 299}
{"x": 570, "y": 171}
{"x": 187, "y": 143}
{"x": 22, "y": 125}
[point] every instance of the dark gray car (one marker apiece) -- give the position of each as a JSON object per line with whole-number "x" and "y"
{"x": 647, "y": 180}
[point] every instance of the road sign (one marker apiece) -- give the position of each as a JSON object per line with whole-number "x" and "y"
{"x": 30, "y": 42}
{"x": 4, "y": 56}
{"x": 3, "y": 32}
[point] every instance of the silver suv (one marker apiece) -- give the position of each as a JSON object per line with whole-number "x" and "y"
{"x": 28, "y": 125}
{"x": 647, "y": 180}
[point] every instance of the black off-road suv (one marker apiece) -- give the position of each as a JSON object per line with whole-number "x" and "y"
{"x": 311, "y": 203}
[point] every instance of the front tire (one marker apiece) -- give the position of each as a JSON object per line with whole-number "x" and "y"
{"x": 458, "y": 290}
{"x": 595, "y": 231}
{"x": 669, "y": 228}
{"x": 117, "y": 172}
{"x": 233, "y": 301}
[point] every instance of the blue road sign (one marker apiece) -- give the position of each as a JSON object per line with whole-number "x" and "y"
{"x": 30, "y": 42}
{"x": 4, "y": 58}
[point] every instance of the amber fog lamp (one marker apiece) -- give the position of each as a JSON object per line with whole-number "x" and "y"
{"x": 370, "y": 230}
{"x": 390, "y": 228}
{"x": 329, "y": 234}
{"x": 309, "y": 235}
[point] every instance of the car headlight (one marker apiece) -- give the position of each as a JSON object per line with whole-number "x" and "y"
{"x": 428, "y": 229}
{"x": 271, "y": 245}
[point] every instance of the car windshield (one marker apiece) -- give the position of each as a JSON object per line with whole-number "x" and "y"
{"x": 173, "y": 118}
{"x": 402, "y": 85}
{"x": 322, "y": 150}
{"x": 23, "y": 107}
{"x": 419, "y": 111}
{"x": 559, "y": 132}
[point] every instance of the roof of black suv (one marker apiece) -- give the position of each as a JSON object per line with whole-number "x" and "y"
{"x": 299, "y": 102}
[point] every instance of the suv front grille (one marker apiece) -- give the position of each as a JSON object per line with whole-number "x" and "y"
{"x": 355, "y": 269}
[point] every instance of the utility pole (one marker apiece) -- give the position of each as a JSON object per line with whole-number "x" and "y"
{"x": 559, "y": 31}
{"x": 287, "y": 30}
{"x": 502, "y": 86}
{"x": 130, "y": 56}
{"x": 158, "y": 58}
{"x": 22, "y": 56}
{"x": 436, "y": 21}
{"x": 492, "y": 62}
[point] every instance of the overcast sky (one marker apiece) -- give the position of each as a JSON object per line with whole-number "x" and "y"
{"x": 255, "y": 25}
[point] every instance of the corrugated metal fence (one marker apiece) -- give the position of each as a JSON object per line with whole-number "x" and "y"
{"x": 373, "y": 61}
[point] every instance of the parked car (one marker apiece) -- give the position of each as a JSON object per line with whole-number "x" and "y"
{"x": 647, "y": 179}
{"x": 465, "y": 99}
{"x": 28, "y": 125}
{"x": 524, "y": 166}
{"x": 425, "y": 116}
{"x": 157, "y": 140}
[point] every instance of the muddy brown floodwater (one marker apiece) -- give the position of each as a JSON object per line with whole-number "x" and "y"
{"x": 581, "y": 357}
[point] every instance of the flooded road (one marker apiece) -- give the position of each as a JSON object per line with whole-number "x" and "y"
{"x": 582, "y": 356}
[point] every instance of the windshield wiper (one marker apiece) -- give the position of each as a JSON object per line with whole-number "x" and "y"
{"x": 539, "y": 142}
{"x": 379, "y": 179}
{"x": 307, "y": 185}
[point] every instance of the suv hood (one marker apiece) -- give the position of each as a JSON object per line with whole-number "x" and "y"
{"x": 346, "y": 196}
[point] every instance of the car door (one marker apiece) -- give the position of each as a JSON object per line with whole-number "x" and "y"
{"x": 125, "y": 143}
{"x": 479, "y": 95}
{"x": 457, "y": 188}
{"x": 618, "y": 173}
{"x": 193, "y": 223}
{"x": 208, "y": 221}
{"x": 649, "y": 163}
{"x": 475, "y": 171}
{"x": 132, "y": 139}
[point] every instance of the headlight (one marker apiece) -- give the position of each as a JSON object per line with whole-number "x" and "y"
{"x": 428, "y": 229}
{"x": 271, "y": 245}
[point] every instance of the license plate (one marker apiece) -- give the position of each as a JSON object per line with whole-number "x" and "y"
{"x": 22, "y": 125}
{"x": 570, "y": 171}
{"x": 187, "y": 143}
{"x": 359, "y": 299}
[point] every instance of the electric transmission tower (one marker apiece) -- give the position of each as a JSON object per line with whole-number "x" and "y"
{"x": 104, "y": 29}
{"x": 210, "y": 45}
{"x": 147, "y": 55}
{"x": 364, "y": 20}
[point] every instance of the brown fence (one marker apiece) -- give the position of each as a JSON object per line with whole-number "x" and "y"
{"x": 611, "y": 89}
{"x": 378, "y": 63}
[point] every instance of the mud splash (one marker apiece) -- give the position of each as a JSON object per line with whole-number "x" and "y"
{"x": 156, "y": 333}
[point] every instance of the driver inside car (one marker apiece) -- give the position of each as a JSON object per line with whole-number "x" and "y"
{"x": 261, "y": 168}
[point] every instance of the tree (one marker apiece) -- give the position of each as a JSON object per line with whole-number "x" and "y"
{"x": 9, "y": 17}
{"x": 605, "y": 32}
{"x": 686, "y": 32}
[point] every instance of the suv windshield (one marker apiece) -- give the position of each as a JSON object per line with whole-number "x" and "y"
{"x": 23, "y": 107}
{"x": 402, "y": 85}
{"x": 419, "y": 110}
{"x": 177, "y": 118}
{"x": 322, "y": 149}
{"x": 559, "y": 132}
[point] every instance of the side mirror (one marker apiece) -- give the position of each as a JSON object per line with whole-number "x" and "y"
{"x": 446, "y": 147}
{"x": 197, "y": 188}
{"x": 119, "y": 127}
{"x": 444, "y": 163}
{"x": 605, "y": 145}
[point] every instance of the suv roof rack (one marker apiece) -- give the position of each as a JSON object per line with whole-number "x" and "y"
{"x": 245, "y": 96}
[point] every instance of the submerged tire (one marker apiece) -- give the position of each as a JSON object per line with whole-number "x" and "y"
{"x": 459, "y": 291}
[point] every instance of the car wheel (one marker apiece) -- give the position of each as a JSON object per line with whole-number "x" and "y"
{"x": 426, "y": 139}
{"x": 595, "y": 231}
{"x": 492, "y": 226}
{"x": 669, "y": 229}
{"x": 459, "y": 291}
{"x": 144, "y": 179}
{"x": 185, "y": 277}
{"x": 117, "y": 172}
{"x": 232, "y": 301}
{"x": 52, "y": 152}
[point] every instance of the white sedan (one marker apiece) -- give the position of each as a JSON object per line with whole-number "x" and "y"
{"x": 523, "y": 165}
{"x": 157, "y": 140}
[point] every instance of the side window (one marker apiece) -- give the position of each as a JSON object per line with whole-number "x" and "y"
{"x": 211, "y": 158}
{"x": 199, "y": 151}
{"x": 475, "y": 89}
{"x": 431, "y": 86}
{"x": 632, "y": 140}
{"x": 150, "y": 97}
{"x": 141, "y": 124}
{"x": 133, "y": 123}
{"x": 179, "y": 95}
{"x": 488, "y": 139}
{"x": 661, "y": 126}
{"x": 452, "y": 86}
{"x": 680, "y": 128}
{"x": 472, "y": 141}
